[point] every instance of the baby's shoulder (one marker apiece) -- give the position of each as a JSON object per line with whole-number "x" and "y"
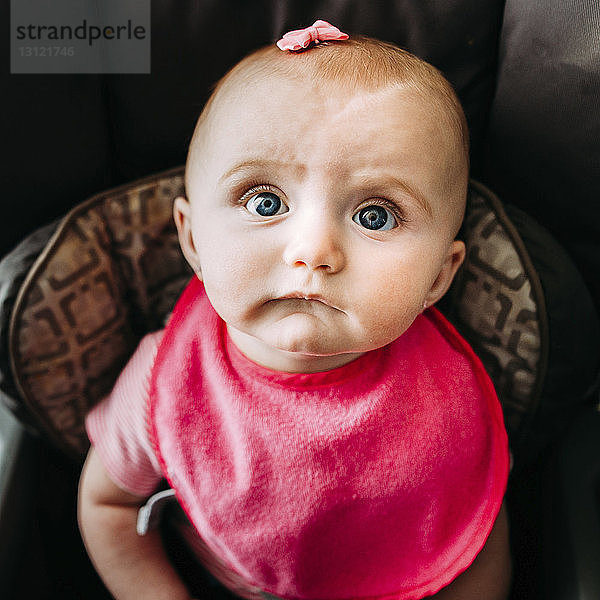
{"x": 142, "y": 360}
{"x": 150, "y": 342}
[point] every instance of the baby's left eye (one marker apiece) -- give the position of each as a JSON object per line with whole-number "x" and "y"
{"x": 266, "y": 204}
{"x": 376, "y": 218}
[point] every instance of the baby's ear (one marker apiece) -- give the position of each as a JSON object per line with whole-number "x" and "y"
{"x": 454, "y": 258}
{"x": 182, "y": 213}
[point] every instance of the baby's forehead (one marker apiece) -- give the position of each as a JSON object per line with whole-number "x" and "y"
{"x": 288, "y": 99}
{"x": 278, "y": 114}
{"x": 360, "y": 136}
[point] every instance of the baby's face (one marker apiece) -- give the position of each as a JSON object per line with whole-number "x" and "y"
{"x": 321, "y": 222}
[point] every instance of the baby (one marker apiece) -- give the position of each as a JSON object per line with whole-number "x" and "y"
{"x": 328, "y": 434}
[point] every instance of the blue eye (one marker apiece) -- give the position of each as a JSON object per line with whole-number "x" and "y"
{"x": 375, "y": 218}
{"x": 266, "y": 204}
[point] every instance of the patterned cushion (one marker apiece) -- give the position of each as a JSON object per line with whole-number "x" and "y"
{"x": 113, "y": 269}
{"x": 498, "y": 305}
{"x": 110, "y": 273}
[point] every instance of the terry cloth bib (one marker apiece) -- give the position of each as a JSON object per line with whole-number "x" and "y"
{"x": 379, "y": 479}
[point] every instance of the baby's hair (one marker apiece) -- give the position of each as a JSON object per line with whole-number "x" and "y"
{"x": 357, "y": 63}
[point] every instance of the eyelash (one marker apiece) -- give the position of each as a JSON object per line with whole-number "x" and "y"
{"x": 253, "y": 188}
{"x": 391, "y": 206}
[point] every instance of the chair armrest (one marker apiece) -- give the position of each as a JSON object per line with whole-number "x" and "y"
{"x": 17, "y": 475}
{"x": 571, "y": 549}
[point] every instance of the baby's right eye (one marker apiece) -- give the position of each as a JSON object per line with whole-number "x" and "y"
{"x": 266, "y": 204}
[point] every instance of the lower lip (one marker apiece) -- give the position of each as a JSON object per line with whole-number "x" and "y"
{"x": 303, "y": 299}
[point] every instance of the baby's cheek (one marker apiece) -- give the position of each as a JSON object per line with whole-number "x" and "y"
{"x": 219, "y": 260}
{"x": 389, "y": 310}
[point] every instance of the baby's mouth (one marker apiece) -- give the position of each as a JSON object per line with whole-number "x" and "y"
{"x": 300, "y": 296}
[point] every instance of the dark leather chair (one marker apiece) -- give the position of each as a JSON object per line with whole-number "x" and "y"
{"x": 529, "y": 79}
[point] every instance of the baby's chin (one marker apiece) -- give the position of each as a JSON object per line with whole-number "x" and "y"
{"x": 298, "y": 343}
{"x": 305, "y": 334}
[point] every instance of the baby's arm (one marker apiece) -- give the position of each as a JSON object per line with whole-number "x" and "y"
{"x": 131, "y": 566}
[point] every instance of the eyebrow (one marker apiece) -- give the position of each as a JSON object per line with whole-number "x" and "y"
{"x": 258, "y": 164}
{"x": 389, "y": 180}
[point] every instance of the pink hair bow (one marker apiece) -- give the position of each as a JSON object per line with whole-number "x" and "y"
{"x": 319, "y": 31}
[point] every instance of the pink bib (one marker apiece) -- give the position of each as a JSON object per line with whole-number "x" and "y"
{"x": 379, "y": 479}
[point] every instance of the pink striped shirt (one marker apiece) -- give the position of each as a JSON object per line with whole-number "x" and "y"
{"x": 118, "y": 426}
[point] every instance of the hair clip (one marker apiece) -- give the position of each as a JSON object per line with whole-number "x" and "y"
{"x": 319, "y": 31}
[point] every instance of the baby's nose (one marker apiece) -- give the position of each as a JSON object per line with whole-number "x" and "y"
{"x": 315, "y": 244}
